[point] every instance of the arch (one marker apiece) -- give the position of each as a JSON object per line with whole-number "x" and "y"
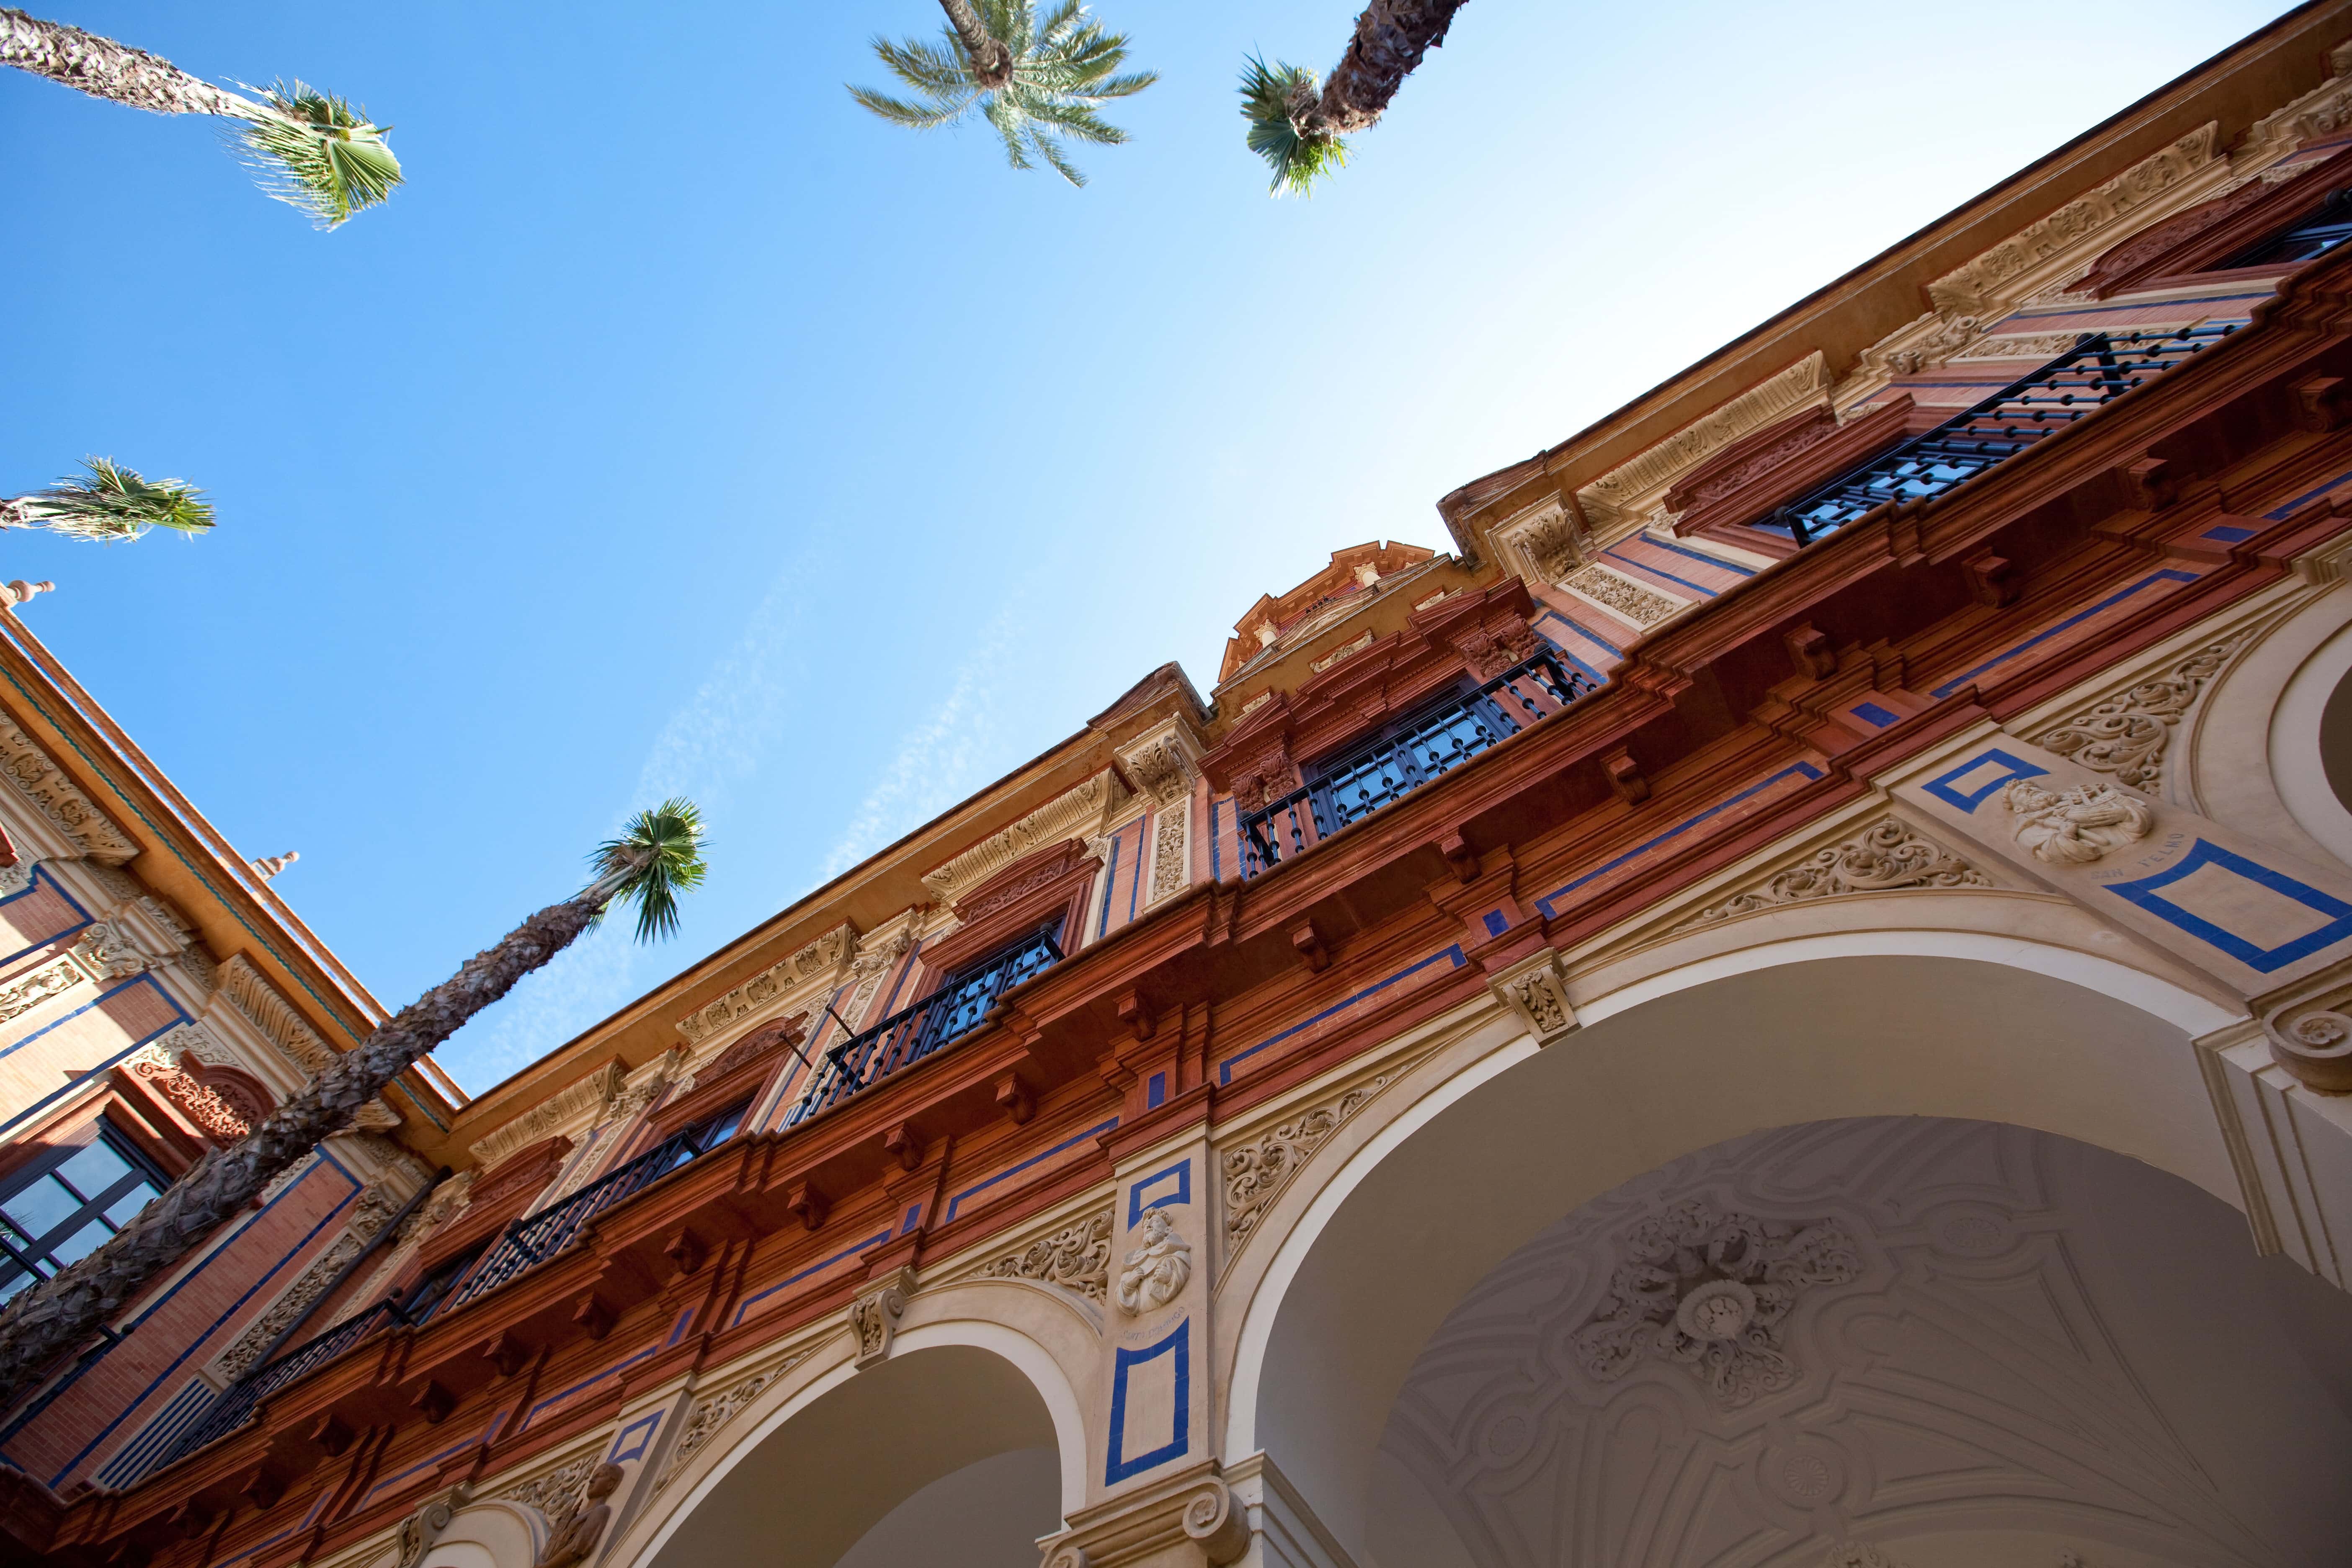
{"x": 1502, "y": 1137}
{"x": 958, "y": 1388}
{"x": 2251, "y": 751}
{"x": 488, "y": 1535}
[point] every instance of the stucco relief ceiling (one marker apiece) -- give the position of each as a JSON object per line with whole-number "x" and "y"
{"x": 1898, "y": 1343}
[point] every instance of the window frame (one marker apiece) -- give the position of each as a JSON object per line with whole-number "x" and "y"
{"x": 36, "y": 1260}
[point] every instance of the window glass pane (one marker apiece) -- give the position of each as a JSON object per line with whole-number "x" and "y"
{"x": 121, "y": 1210}
{"x": 42, "y": 1207}
{"x": 80, "y": 1243}
{"x": 95, "y": 1168}
{"x": 12, "y": 1279}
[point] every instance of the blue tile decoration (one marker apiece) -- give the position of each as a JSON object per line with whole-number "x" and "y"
{"x": 1969, "y": 787}
{"x": 1451, "y": 956}
{"x": 1496, "y": 922}
{"x": 1871, "y": 713}
{"x": 2250, "y": 951}
{"x": 955, "y": 1203}
{"x": 2150, "y": 581}
{"x": 2226, "y": 534}
{"x": 1161, "y": 1189}
{"x": 1120, "y": 1465}
{"x": 632, "y": 1440}
{"x": 1155, "y": 1091}
{"x": 1548, "y": 905}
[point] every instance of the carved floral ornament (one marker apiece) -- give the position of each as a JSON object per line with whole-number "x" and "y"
{"x": 1643, "y": 606}
{"x": 1625, "y": 488}
{"x": 1256, "y": 1171}
{"x": 1886, "y": 857}
{"x": 1076, "y": 1258}
{"x": 714, "y": 1411}
{"x": 2126, "y": 734}
{"x": 1545, "y": 543}
{"x": 816, "y": 959}
{"x": 1073, "y": 813}
{"x": 874, "y": 1317}
{"x": 1711, "y": 1289}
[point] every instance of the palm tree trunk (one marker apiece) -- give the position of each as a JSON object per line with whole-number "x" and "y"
{"x": 58, "y": 1314}
{"x": 104, "y": 69}
{"x": 992, "y": 62}
{"x": 1391, "y": 37}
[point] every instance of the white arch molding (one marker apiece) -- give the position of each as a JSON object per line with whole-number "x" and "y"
{"x": 2070, "y": 1043}
{"x": 1035, "y": 1362}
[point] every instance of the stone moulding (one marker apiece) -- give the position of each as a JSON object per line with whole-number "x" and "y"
{"x": 586, "y": 1097}
{"x": 38, "y": 779}
{"x": 1257, "y": 1170}
{"x": 715, "y": 1410}
{"x": 1073, "y": 813}
{"x": 1889, "y": 855}
{"x": 820, "y": 958}
{"x": 1636, "y": 602}
{"x": 1622, "y": 489}
{"x": 272, "y": 1016}
{"x": 1977, "y": 286}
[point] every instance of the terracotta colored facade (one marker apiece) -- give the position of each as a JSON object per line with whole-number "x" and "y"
{"x": 1153, "y": 1109}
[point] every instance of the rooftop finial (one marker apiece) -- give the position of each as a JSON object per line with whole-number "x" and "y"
{"x": 19, "y": 590}
{"x": 269, "y": 865}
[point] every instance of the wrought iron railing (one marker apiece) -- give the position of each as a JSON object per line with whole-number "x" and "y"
{"x": 2099, "y": 368}
{"x": 925, "y": 1027}
{"x": 528, "y": 1243}
{"x": 1437, "y": 741}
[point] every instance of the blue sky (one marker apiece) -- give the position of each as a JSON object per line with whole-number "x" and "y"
{"x": 680, "y": 427}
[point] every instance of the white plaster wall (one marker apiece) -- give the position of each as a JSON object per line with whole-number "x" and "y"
{"x": 987, "y": 1515}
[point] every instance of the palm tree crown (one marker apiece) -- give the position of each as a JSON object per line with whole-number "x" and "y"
{"x": 1295, "y": 124}
{"x": 112, "y": 502}
{"x": 657, "y": 857}
{"x": 1056, "y": 73}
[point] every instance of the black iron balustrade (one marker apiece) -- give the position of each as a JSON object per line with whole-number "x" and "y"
{"x": 528, "y": 1244}
{"x": 923, "y": 1028}
{"x": 2099, "y": 368}
{"x": 1392, "y": 767}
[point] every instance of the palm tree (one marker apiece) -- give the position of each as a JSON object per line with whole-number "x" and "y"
{"x": 309, "y": 148}
{"x": 1034, "y": 81}
{"x": 113, "y": 502}
{"x": 657, "y": 856}
{"x": 1297, "y": 127}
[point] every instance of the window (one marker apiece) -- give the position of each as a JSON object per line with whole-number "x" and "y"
{"x": 435, "y": 1288}
{"x": 2315, "y": 234}
{"x": 63, "y": 1205}
{"x": 957, "y": 1007}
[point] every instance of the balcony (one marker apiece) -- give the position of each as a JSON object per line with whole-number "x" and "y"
{"x": 1385, "y": 772}
{"x": 866, "y": 1059}
{"x": 2100, "y": 368}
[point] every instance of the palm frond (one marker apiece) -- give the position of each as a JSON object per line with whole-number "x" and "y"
{"x": 112, "y": 502}
{"x": 1065, "y": 68}
{"x": 1272, "y": 97}
{"x": 657, "y": 856}
{"x": 314, "y": 151}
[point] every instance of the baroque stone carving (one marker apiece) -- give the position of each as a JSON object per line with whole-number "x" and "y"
{"x": 1545, "y": 544}
{"x": 874, "y": 1317}
{"x": 1641, "y": 605}
{"x": 1156, "y": 1272}
{"x": 1884, "y": 856}
{"x": 212, "y": 1115}
{"x": 1537, "y": 994}
{"x": 1615, "y": 493}
{"x": 583, "y": 1101}
{"x": 2075, "y": 826}
{"x": 42, "y": 781}
{"x": 2020, "y": 345}
{"x": 1072, "y": 814}
{"x": 1170, "y": 843}
{"x": 574, "y": 1539}
{"x": 1255, "y": 1172}
{"x": 1345, "y": 651}
{"x": 16, "y": 878}
{"x": 2126, "y": 734}
{"x": 1711, "y": 1290}
{"x": 108, "y": 949}
{"x": 369, "y": 1212}
{"x": 272, "y": 1015}
{"x": 21, "y": 995}
{"x": 817, "y": 958}
{"x": 421, "y": 1529}
{"x": 1489, "y": 650}
{"x": 708, "y": 1414}
{"x": 556, "y": 1489}
{"x": 1076, "y": 1258}
{"x": 1977, "y": 285}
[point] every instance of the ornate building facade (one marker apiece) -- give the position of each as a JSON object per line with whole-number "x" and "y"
{"x": 1785, "y": 1001}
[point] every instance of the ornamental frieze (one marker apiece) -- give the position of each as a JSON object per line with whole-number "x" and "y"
{"x": 1889, "y": 855}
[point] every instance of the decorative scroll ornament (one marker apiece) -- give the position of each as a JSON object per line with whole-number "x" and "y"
{"x": 369, "y": 1215}
{"x": 2075, "y": 826}
{"x": 1169, "y": 836}
{"x": 421, "y": 1529}
{"x": 1539, "y": 994}
{"x": 556, "y": 1491}
{"x": 1156, "y": 1272}
{"x": 2126, "y": 734}
{"x": 1882, "y": 857}
{"x": 874, "y": 1317}
{"x": 1618, "y": 492}
{"x": 1622, "y": 594}
{"x": 29, "y": 768}
{"x": 16, "y": 878}
{"x": 20, "y": 996}
{"x": 1076, "y": 1258}
{"x": 1545, "y": 543}
{"x": 273, "y": 1016}
{"x": 1713, "y": 1290}
{"x": 1255, "y": 1172}
{"x": 703, "y": 1422}
{"x": 212, "y": 1116}
{"x": 109, "y": 951}
{"x": 811, "y": 961}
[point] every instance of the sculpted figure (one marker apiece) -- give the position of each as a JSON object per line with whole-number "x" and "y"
{"x": 2075, "y": 826}
{"x": 574, "y": 1541}
{"x": 1158, "y": 1270}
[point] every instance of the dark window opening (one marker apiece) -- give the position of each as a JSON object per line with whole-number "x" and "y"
{"x": 959, "y": 1003}
{"x": 2313, "y": 235}
{"x": 433, "y": 1289}
{"x": 66, "y": 1202}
